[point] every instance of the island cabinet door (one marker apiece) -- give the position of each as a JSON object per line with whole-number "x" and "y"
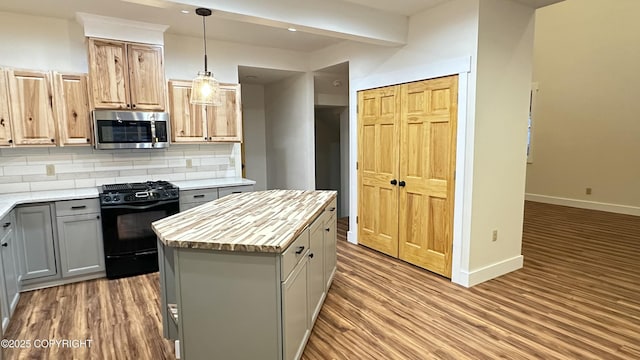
{"x": 295, "y": 319}
{"x": 330, "y": 250}
{"x": 316, "y": 274}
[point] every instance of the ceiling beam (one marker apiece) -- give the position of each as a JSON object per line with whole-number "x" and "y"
{"x": 328, "y": 17}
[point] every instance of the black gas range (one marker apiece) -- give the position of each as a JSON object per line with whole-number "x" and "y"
{"x": 130, "y": 245}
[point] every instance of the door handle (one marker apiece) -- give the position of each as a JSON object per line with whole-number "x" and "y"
{"x": 5, "y": 244}
{"x": 394, "y": 182}
{"x": 300, "y": 250}
{"x": 402, "y": 184}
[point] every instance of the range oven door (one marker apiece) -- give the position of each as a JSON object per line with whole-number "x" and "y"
{"x": 130, "y": 245}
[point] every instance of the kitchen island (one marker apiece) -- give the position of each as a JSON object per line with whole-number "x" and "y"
{"x": 245, "y": 276}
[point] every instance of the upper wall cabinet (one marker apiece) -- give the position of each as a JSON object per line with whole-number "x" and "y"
{"x": 198, "y": 124}
{"x": 71, "y": 103}
{"x": 32, "y": 113}
{"x": 187, "y": 120}
{"x": 224, "y": 122}
{"x": 6, "y": 138}
{"x": 126, "y": 75}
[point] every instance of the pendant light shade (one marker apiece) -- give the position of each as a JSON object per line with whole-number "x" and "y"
{"x": 205, "y": 89}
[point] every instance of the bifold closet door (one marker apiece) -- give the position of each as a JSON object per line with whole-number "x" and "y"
{"x": 427, "y": 164}
{"x": 406, "y": 163}
{"x": 378, "y": 159}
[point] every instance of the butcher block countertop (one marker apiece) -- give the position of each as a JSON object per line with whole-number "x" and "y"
{"x": 260, "y": 221}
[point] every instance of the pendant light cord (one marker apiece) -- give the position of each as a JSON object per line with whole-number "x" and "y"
{"x": 204, "y": 27}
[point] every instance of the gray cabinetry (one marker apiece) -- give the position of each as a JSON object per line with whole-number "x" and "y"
{"x": 80, "y": 237}
{"x": 295, "y": 309}
{"x": 36, "y": 254}
{"x": 224, "y": 191}
{"x": 9, "y": 282}
{"x": 316, "y": 268}
{"x": 192, "y": 198}
{"x": 329, "y": 243}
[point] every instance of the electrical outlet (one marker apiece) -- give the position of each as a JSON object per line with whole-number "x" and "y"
{"x": 51, "y": 170}
{"x": 494, "y": 236}
{"x": 189, "y": 164}
{"x": 588, "y": 191}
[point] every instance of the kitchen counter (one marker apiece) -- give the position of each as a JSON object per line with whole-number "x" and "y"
{"x": 262, "y": 221}
{"x": 9, "y": 201}
{"x": 245, "y": 276}
{"x": 212, "y": 183}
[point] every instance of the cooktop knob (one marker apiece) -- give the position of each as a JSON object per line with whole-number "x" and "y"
{"x": 116, "y": 198}
{"x": 107, "y": 198}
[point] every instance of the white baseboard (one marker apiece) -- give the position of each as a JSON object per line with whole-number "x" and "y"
{"x": 475, "y": 277}
{"x": 351, "y": 237}
{"x": 584, "y": 204}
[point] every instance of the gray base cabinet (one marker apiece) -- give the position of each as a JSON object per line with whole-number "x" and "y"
{"x": 247, "y": 305}
{"x": 36, "y": 254}
{"x": 192, "y": 198}
{"x": 9, "y": 282}
{"x": 80, "y": 237}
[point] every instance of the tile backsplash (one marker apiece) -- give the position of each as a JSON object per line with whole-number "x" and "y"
{"x": 54, "y": 168}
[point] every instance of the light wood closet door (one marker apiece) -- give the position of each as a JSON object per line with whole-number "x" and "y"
{"x": 378, "y": 157}
{"x": 427, "y": 163}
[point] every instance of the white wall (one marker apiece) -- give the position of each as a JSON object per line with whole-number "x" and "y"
{"x": 255, "y": 146}
{"x": 289, "y": 132}
{"x": 442, "y": 41}
{"x": 505, "y": 48}
{"x": 344, "y": 161}
{"x": 586, "y": 127}
{"x": 42, "y": 43}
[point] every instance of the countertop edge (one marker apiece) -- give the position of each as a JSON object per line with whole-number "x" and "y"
{"x": 212, "y": 183}
{"x": 9, "y": 201}
{"x": 244, "y": 247}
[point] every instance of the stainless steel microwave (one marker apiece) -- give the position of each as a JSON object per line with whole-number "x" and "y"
{"x": 130, "y": 129}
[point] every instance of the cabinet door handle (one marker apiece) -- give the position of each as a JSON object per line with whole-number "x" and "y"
{"x": 198, "y": 196}
{"x": 327, "y": 229}
{"x": 98, "y": 217}
{"x": 88, "y": 140}
{"x": 5, "y": 244}
{"x": 53, "y": 140}
{"x": 402, "y": 184}
{"x": 394, "y": 182}
{"x": 332, "y": 209}
{"x": 6, "y": 225}
{"x": 300, "y": 250}
{"x": 311, "y": 255}
{"x": 79, "y": 207}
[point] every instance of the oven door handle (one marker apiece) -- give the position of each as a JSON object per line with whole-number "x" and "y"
{"x": 140, "y": 207}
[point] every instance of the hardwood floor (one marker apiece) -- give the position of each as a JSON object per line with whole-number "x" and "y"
{"x": 578, "y": 297}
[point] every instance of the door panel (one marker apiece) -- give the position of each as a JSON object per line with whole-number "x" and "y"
{"x": 427, "y": 161}
{"x": 32, "y": 107}
{"x": 108, "y": 73}
{"x": 379, "y": 155}
{"x": 187, "y": 120}
{"x": 146, "y": 74}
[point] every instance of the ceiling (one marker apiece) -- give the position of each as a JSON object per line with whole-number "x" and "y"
{"x": 320, "y": 23}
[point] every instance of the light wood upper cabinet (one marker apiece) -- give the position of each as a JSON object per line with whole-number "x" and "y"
{"x": 6, "y": 138}
{"x": 32, "y": 113}
{"x": 71, "y": 103}
{"x": 224, "y": 122}
{"x": 126, "y": 75}
{"x": 198, "y": 124}
{"x": 146, "y": 77}
{"x": 187, "y": 120}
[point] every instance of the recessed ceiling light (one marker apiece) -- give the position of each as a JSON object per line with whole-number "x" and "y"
{"x": 184, "y": 11}
{"x": 292, "y": 29}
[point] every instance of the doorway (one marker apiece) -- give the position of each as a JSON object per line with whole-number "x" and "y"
{"x": 331, "y": 132}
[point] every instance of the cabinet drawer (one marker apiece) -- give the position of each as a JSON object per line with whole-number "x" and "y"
{"x": 224, "y": 191}
{"x": 198, "y": 196}
{"x": 331, "y": 208}
{"x": 76, "y": 207}
{"x": 6, "y": 224}
{"x": 294, "y": 253}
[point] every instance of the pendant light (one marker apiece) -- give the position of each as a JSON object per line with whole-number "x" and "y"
{"x": 205, "y": 89}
